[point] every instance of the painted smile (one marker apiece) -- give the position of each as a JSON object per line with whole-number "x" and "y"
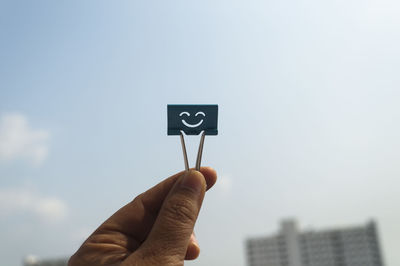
{"x": 191, "y": 125}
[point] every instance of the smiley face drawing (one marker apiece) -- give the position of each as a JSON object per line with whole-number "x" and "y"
{"x": 188, "y": 114}
{"x": 192, "y": 119}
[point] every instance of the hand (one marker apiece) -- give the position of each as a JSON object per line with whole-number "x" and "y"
{"x": 156, "y": 228}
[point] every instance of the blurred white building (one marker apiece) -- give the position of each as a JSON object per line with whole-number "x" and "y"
{"x": 353, "y": 246}
{"x": 34, "y": 261}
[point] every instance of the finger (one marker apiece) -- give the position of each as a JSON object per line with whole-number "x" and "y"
{"x": 193, "y": 250}
{"x": 154, "y": 197}
{"x": 136, "y": 219}
{"x": 170, "y": 235}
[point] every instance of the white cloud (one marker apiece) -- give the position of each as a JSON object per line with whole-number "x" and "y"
{"x": 224, "y": 184}
{"x": 31, "y": 260}
{"x": 23, "y": 200}
{"x": 381, "y": 14}
{"x": 18, "y": 140}
{"x": 51, "y": 208}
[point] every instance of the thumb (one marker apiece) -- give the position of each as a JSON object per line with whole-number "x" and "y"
{"x": 171, "y": 232}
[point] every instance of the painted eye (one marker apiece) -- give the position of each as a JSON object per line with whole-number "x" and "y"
{"x": 184, "y": 113}
{"x": 200, "y": 113}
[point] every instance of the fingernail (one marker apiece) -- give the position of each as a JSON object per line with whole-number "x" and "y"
{"x": 192, "y": 180}
{"x": 194, "y": 240}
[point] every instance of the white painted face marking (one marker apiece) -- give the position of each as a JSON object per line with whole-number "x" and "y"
{"x": 184, "y": 113}
{"x": 190, "y": 125}
{"x": 200, "y": 113}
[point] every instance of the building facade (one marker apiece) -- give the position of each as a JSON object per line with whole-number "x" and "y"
{"x": 353, "y": 246}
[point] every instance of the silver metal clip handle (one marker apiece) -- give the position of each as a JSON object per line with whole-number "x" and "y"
{"x": 199, "y": 153}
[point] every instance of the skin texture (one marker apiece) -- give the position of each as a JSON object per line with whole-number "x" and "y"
{"x": 156, "y": 228}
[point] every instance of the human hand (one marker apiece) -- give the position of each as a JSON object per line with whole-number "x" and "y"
{"x": 156, "y": 228}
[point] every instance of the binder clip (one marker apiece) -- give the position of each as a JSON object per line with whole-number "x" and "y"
{"x": 190, "y": 119}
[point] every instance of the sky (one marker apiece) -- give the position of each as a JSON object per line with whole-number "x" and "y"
{"x": 308, "y": 95}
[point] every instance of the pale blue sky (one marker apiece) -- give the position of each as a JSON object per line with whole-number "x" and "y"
{"x": 308, "y": 94}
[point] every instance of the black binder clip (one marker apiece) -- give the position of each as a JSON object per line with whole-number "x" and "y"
{"x": 192, "y": 120}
